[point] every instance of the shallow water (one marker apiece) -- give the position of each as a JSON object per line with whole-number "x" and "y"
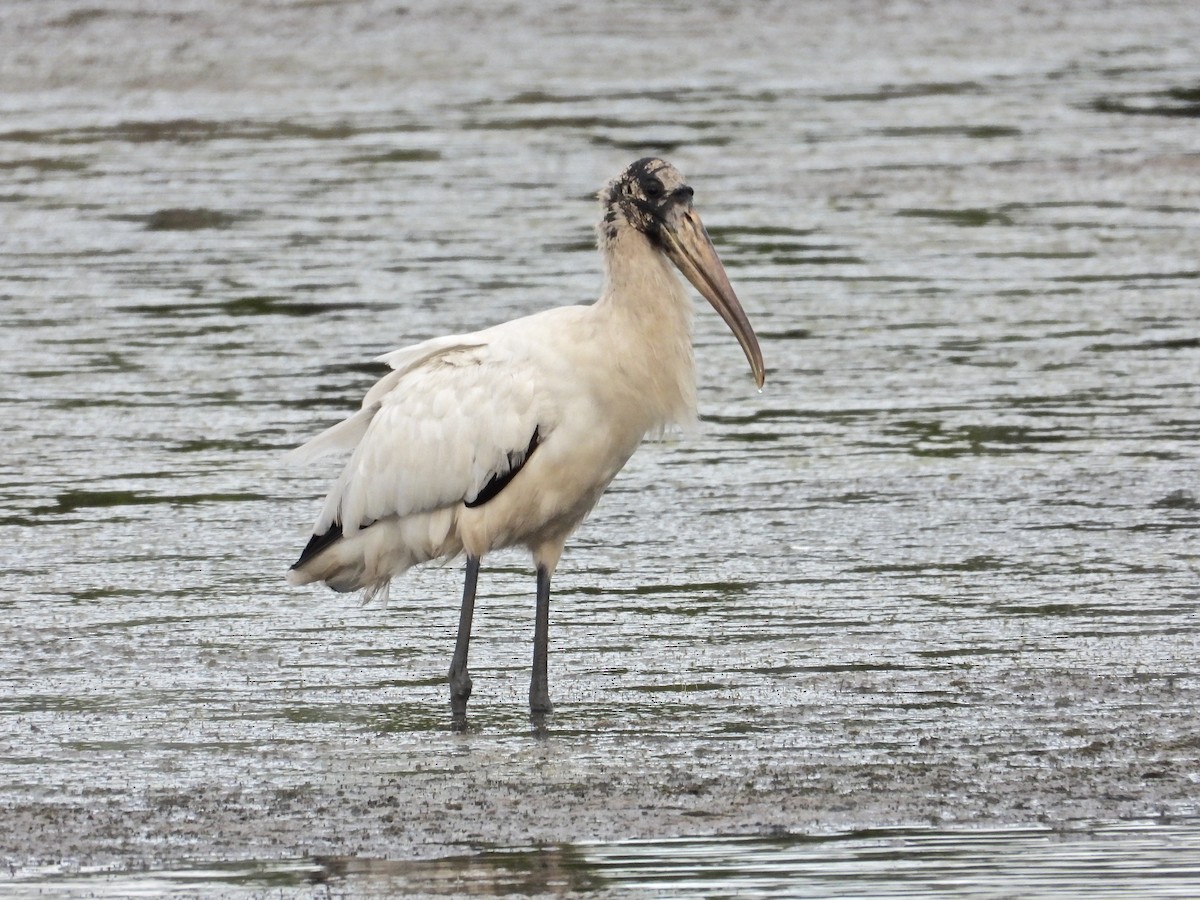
{"x": 941, "y": 574}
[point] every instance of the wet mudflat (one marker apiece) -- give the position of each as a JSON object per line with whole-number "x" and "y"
{"x": 922, "y": 615}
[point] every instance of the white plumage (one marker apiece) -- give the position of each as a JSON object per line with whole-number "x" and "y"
{"x": 508, "y": 436}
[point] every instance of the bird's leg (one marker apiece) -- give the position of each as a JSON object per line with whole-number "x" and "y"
{"x": 460, "y": 680}
{"x": 539, "y": 692}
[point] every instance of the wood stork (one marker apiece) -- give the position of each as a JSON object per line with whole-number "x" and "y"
{"x": 508, "y": 436}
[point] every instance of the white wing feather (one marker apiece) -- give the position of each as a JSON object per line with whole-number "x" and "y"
{"x": 341, "y": 437}
{"x": 431, "y": 434}
{"x": 346, "y": 434}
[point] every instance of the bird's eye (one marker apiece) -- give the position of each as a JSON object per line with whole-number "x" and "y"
{"x": 653, "y": 188}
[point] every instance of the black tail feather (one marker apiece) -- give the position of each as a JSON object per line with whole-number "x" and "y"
{"x": 319, "y": 542}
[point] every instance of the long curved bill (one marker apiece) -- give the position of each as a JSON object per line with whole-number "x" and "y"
{"x": 688, "y": 246}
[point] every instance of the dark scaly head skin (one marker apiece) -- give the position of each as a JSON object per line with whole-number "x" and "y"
{"x": 644, "y": 197}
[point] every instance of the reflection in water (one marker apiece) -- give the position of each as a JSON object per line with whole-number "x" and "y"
{"x": 494, "y": 873}
{"x": 942, "y": 571}
{"x": 1136, "y": 859}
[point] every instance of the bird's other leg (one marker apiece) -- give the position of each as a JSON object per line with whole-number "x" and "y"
{"x": 460, "y": 680}
{"x": 539, "y": 692}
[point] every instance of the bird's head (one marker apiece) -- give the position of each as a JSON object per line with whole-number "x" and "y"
{"x": 643, "y": 197}
{"x": 652, "y": 198}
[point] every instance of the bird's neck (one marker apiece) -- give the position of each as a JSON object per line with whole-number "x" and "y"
{"x": 643, "y": 292}
{"x": 641, "y": 281}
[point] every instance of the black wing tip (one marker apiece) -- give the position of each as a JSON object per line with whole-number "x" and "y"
{"x": 500, "y": 480}
{"x": 319, "y": 542}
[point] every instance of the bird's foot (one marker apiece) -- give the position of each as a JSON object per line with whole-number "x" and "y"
{"x": 539, "y": 711}
{"x": 460, "y": 692}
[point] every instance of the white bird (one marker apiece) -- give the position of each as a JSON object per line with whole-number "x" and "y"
{"x": 508, "y": 436}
